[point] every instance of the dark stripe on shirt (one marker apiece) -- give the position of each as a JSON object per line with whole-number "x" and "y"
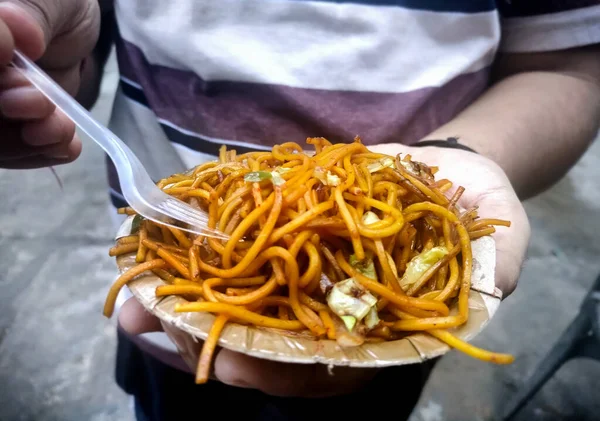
{"x": 195, "y": 142}
{"x": 528, "y": 8}
{"x": 461, "y": 6}
{"x": 199, "y": 143}
{"x": 134, "y": 93}
{"x": 117, "y": 201}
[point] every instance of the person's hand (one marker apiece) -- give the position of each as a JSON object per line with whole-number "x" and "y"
{"x": 488, "y": 188}
{"x": 58, "y": 35}
{"x": 235, "y": 369}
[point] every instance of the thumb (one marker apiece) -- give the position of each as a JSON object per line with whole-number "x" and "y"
{"x": 288, "y": 379}
{"x": 135, "y": 319}
{"x": 512, "y": 242}
{"x": 25, "y": 28}
{"x": 58, "y": 34}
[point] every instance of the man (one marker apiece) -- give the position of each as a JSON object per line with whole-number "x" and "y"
{"x": 517, "y": 82}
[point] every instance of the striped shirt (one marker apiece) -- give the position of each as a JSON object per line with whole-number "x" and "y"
{"x": 197, "y": 74}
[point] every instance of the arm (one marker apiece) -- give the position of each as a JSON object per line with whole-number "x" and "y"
{"x": 93, "y": 68}
{"x": 537, "y": 119}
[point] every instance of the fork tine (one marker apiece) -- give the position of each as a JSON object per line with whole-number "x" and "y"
{"x": 180, "y": 212}
{"x": 204, "y": 231}
{"x": 194, "y": 217}
{"x": 187, "y": 210}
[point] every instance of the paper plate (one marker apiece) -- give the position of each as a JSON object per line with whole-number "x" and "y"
{"x": 297, "y": 348}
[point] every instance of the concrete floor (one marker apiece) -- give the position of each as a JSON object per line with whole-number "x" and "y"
{"x": 57, "y": 350}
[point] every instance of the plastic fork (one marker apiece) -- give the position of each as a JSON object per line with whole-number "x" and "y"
{"x": 139, "y": 190}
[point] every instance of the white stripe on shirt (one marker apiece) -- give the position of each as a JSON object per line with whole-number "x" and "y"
{"x": 320, "y": 45}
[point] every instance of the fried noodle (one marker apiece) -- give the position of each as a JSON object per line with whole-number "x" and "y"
{"x": 303, "y": 225}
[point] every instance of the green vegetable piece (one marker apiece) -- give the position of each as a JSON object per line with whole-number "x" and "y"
{"x": 371, "y": 319}
{"x": 386, "y": 162}
{"x": 420, "y": 264}
{"x": 257, "y": 176}
{"x": 348, "y": 298}
{"x": 277, "y": 179}
{"x": 366, "y": 267}
{"x": 349, "y": 321}
{"x": 327, "y": 178}
{"x": 136, "y": 223}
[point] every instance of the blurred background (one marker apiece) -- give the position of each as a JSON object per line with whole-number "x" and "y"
{"x": 57, "y": 350}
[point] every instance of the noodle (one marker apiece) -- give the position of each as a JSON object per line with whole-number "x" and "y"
{"x": 208, "y": 349}
{"x": 301, "y": 224}
{"x": 123, "y": 249}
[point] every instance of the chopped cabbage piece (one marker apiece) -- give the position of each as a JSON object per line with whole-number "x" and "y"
{"x": 386, "y": 162}
{"x": 332, "y": 179}
{"x": 420, "y": 264}
{"x": 258, "y": 176}
{"x": 366, "y": 267}
{"x": 327, "y": 177}
{"x": 136, "y": 224}
{"x": 370, "y": 218}
{"x": 349, "y": 298}
{"x": 371, "y": 319}
{"x": 349, "y": 321}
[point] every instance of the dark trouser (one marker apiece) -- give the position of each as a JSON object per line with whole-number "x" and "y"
{"x": 162, "y": 392}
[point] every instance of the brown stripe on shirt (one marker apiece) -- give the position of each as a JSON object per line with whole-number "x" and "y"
{"x": 268, "y": 114}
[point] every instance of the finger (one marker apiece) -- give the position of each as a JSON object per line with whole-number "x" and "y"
{"x": 511, "y": 242}
{"x": 33, "y": 162}
{"x": 12, "y": 146}
{"x": 56, "y": 34}
{"x": 282, "y": 379}
{"x": 12, "y": 78}
{"x": 6, "y": 44}
{"x": 14, "y": 153}
{"x": 65, "y": 152}
{"x": 76, "y": 36}
{"x": 24, "y": 28}
{"x": 511, "y": 248}
{"x": 135, "y": 319}
{"x": 56, "y": 128}
{"x": 71, "y": 31}
{"x": 25, "y": 103}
